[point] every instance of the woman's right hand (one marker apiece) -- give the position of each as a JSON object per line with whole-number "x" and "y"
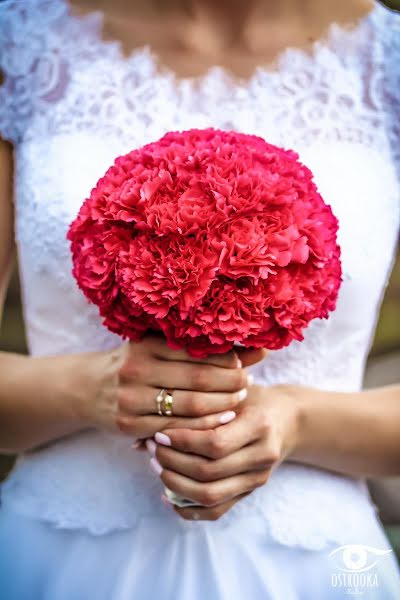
{"x": 206, "y": 391}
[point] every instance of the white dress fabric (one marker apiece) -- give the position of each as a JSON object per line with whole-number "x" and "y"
{"x": 82, "y": 517}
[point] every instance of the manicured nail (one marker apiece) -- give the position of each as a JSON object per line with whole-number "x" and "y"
{"x": 162, "y": 438}
{"x": 151, "y": 446}
{"x": 165, "y": 501}
{"x": 242, "y": 394}
{"x": 228, "y": 416}
{"x": 250, "y": 379}
{"x": 239, "y": 364}
{"x": 156, "y": 465}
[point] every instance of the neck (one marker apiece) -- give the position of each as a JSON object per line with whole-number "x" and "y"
{"x": 221, "y": 24}
{"x": 216, "y": 25}
{"x": 221, "y": 10}
{"x": 226, "y": 10}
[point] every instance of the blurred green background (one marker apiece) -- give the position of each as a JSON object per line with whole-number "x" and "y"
{"x": 383, "y": 367}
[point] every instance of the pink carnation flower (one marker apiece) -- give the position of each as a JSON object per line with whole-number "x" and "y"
{"x": 211, "y": 237}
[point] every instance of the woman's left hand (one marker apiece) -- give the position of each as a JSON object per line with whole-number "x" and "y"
{"x": 218, "y": 467}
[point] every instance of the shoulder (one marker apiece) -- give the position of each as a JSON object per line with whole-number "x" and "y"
{"x": 23, "y": 27}
{"x": 21, "y": 8}
{"x": 387, "y": 24}
{"x": 26, "y": 27}
{"x": 21, "y": 13}
{"x": 388, "y": 34}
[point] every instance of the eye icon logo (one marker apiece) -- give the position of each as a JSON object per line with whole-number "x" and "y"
{"x": 355, "y": 558}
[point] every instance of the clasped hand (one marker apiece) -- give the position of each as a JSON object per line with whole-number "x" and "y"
{"x": 218, "y": 467}
{"x": 206, "y": 459}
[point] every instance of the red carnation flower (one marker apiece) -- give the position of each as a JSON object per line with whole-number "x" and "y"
{"x": 213, "y": 238}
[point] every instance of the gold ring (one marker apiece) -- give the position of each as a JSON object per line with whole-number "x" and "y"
{"x": 159, "y": 400}
{"x": 168, "y": 402}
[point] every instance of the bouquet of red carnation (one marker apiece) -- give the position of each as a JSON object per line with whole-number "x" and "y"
{"x": 213, "y": 238}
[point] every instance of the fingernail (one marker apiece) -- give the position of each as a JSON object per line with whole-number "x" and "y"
{"x": 165, "y": 501}
{"x": 242, "y": 394}
{"x": 151, "y": 446}
{"x": 228, "y": 416}
{"x": 162, "y": 438}
{"x": 136, "y": 444}
{"x": 250, "y": 379}
{"x": 239, "y": 363}
{"x": 156, "y": 465}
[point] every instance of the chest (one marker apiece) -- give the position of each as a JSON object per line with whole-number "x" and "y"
{"x": 189, "y": 40}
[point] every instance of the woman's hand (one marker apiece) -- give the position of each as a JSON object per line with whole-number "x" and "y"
{"x": 354, "y": 433}
{"x": 206, "y": 392}
{"x": 216, "y": 468}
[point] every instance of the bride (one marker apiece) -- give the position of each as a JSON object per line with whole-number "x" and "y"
{"x": 273, "y": 449}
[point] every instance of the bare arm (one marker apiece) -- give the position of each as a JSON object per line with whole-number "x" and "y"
{"x": 33, "y": 409}
{"x": 353, "y": 433}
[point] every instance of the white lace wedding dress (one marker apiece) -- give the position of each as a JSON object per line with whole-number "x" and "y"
{"x": 82, "y": 518}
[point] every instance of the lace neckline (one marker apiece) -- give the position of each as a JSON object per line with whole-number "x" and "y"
{"x": 145, "y": 53}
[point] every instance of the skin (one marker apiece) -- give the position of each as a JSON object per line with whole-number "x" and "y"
{"x": 189, "y": 36}
{"x": 355, "y": 434}
{"x": 215, "y": 464}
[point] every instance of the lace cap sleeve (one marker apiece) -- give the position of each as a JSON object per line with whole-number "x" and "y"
{"x": 391, "y": 81}
{"x": 24, "y": 25}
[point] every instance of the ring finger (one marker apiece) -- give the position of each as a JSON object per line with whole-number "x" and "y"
{"x": 142, "y": 401}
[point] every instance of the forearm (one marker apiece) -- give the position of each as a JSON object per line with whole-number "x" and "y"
{"x": 40, "y": 399}
{"x": 353, "y": 433}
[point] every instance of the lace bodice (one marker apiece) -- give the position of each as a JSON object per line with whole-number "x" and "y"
{"x": 71, "y": 103}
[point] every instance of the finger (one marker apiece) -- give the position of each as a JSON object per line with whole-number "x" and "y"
{"x": 201, "y": 513}
{"x": 159, "y": 349}
{"x": 214, "y": 443}
{"x": 211, "y": 493}
{"x": 141, "y": 400}
{"x": 147, "y": 425}
{"x": 254, "y": 457}
{"x": 250, "y": 356}
{"x": 195, "y": 376}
